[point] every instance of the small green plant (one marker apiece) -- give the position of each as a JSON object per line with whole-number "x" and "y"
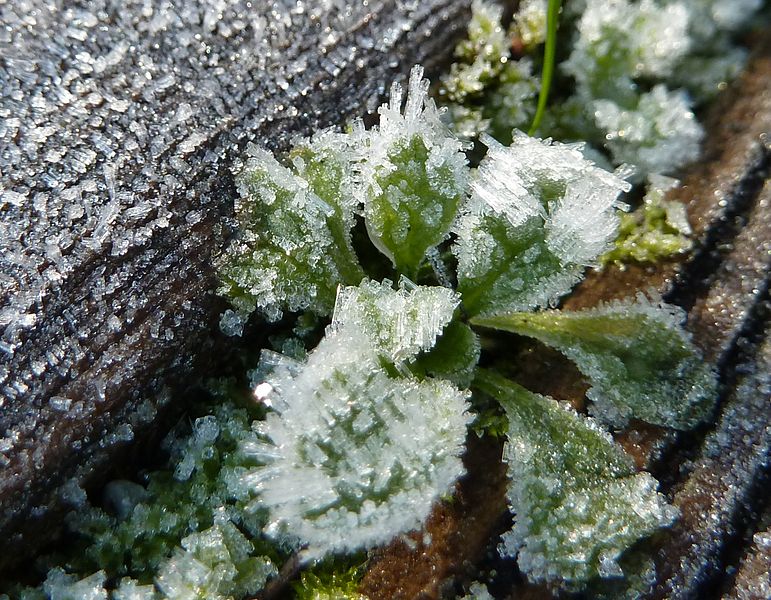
{"x": 365, "y": 434}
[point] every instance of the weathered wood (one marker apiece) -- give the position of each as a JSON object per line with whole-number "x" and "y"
{"x": 120, "y": 122}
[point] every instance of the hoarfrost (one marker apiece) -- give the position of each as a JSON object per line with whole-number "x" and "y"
{"x": 400, "y": 323}
{"x": 413, "y": 173}
{"x": 353, "y": 456}
{"x": 539, "y": 213}
{"x": 577, "y": 500}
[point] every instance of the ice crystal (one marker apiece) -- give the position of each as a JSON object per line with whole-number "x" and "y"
{"x": 60, "y": 586}
{"x": 540, "y": 212}
{"x": 530, "y": 23}
{"x": 660, "y": 134}
{"x": 128, "y": 589}
{"x": 454, "y": 357}
{"x": 637, "y": 356}
{"x": 353, "y": 455}
{"x": 399, "y": 323}
{"x": 577, "y": 499}
{"x": 414, "y": 176}
{"x": 295, "y": 245}
{"x": 657, "y": 230}
{"x": 214, "y": 564}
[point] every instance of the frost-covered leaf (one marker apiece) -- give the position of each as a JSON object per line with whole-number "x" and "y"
{"x": 540, "y": 212}
{"x": 295, "y": 246}
{"x": 399, "y": 323}
{"x": 353, "y": 456}
{"x": 414, "y": 175}
{"x": 639, "y": 360}
{"x": 620, "y": 40}
{"x": 326, "y": 585}
{"x": 61, "y": 586}
{"x": 659, "y": 134}
{"x": 578, "y": 502}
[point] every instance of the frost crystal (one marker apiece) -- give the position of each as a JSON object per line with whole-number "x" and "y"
{"x": 578, "y": 503}
{"x": 659, "y": 135}
{"x": 530, "y": 23}
{"x": 540, "y": 212}
{"x": 60, "y": 586}
{"x": 354, "y": 456}
{"x": 400, "y": 323}
{"x": 295, "y": 245}
{"x": 414, "y": 175}
{"x": 640, "y": 361}
{"x": 216, "y": 564}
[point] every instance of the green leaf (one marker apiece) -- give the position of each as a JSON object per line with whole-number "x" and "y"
{"x": 637, "y": 356}
{"x": 578, "y": 501}
{"x": 454, "y": 357}
{"x": 540, "y": 212}
{"x": 415, "y": 176}
{"x": 295, "y": 247}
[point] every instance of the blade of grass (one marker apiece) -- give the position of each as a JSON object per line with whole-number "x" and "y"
{"x": 550, "y": 50}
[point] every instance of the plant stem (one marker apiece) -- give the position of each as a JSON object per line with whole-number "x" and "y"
{"x": 550, "y": 51}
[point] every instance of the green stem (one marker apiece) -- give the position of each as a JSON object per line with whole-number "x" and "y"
{"x": 552, "y": 18}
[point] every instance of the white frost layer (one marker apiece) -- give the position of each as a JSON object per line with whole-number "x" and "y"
{"x": 579, "y": 217}
{"x": 354, "y": 457}
{"x": 400, "y": 323}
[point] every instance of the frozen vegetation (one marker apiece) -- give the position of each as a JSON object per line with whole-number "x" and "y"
{"x": 345, "y": 444}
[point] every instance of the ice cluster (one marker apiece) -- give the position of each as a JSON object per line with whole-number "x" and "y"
{"x": 578, "y": 500}
{"x": 639, "y": 360}
{"x": 354, "y": 454}
{"x": 400, "y": 323}
{"x": 639, "y": 68}
{"x": 539, "y": 214}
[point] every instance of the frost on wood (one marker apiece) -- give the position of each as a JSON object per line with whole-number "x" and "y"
{"x": 414, "y": 176}
{"x": 577, "y": 500}
{"x": 399, "y": 323}
{"x": 353, "y": 456}
{"x": 639, "y": 360}
{"x": 295, "y": 247}
{"x": 540, "y": 212}
{"x": 118, "y": 125}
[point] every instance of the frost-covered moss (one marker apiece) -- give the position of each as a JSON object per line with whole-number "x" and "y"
{"x": 657, "y": 230}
